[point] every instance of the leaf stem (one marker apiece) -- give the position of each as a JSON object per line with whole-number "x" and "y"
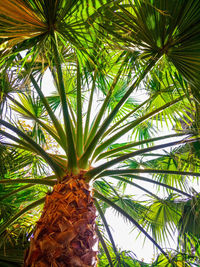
{"x": 71, "y": 153}
{"x": 20, "y": 213}
{"x": 89, "y": 109}
{"x": 79, "y": 126}
{"x": 115, "y": 161}
{"x": 108, "y": 120}
{"x": 125, "y": 214}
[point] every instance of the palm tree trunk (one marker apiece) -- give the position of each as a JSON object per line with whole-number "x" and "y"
{"x": 65, "y": 234}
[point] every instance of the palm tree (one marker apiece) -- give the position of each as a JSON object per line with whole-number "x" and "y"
{"x": 68, "y": 147}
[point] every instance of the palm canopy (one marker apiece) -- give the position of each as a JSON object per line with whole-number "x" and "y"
{"x": 99, "y": 54}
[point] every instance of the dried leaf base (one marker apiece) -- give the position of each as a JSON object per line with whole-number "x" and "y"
{"x": 65, "y": 233}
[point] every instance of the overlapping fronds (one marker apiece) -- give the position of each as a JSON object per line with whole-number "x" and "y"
{"x": 123, "y": 73}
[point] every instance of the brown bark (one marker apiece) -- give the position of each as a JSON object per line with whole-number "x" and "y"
{"x": 65, "y": 233}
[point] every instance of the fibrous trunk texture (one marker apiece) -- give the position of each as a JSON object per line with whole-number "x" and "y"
{"x": 65, "y": 233}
